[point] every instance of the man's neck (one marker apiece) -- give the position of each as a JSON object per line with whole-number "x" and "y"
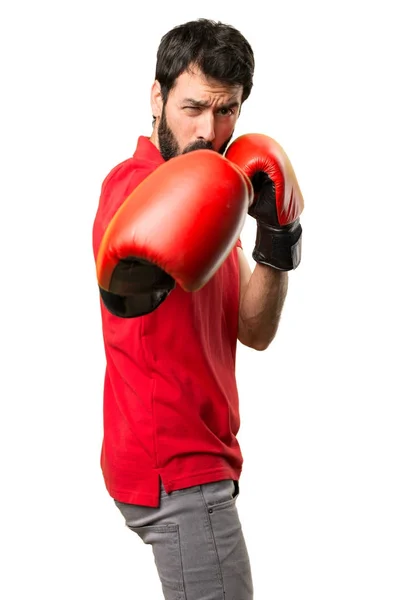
{"x": 154, "y": 138}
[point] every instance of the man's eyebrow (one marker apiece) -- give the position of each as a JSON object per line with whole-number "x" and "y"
{"x": 206, "y": 104}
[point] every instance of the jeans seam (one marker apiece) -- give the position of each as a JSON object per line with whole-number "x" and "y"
{"x": 182, "y": 569}
{"x": 214, "y": 542}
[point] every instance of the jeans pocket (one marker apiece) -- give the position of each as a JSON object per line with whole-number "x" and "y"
{"x": 220, "y": 494}
{"x": 165, "y": 542}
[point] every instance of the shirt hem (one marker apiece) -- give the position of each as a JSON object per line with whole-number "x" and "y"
{"x": 171, "y": 485}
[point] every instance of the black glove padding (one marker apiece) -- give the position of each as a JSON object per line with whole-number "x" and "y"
{"x": 137, "y": 288}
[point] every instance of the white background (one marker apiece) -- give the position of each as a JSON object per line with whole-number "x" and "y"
{"x": 320, "y": 491}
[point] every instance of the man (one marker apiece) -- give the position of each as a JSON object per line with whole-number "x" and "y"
{"x": 177, "y": 294}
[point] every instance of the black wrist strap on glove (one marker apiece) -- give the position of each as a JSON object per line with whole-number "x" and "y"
{"x": 278, "y": 247}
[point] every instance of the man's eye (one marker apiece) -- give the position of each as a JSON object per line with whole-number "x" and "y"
{"x": 225, "y": 111}
{"x": 194, "y": 109}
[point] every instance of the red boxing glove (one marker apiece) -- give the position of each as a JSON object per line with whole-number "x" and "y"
{"x": 177, "y": 226}
{"x": 278, "y": 201}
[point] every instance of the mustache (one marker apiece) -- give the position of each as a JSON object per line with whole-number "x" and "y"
{"x": 198, "y": 145}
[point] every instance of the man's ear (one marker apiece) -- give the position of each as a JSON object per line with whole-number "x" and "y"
{"x": 156, "y": 100}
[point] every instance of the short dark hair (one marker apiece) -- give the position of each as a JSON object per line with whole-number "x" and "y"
{"x": 220, "y": 51}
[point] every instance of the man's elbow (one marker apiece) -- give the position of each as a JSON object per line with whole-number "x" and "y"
{"x": 261, "y": 346}
{"x": 256, "y": 343}
{"x": 256, "y": 337}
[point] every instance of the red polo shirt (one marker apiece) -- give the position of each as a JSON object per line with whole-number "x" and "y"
{"x": 170, "y": 395}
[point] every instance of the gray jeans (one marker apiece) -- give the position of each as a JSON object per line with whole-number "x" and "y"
{"x": 197, "y": 541}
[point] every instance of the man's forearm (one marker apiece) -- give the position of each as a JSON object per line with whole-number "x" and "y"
{"x": 261, "y": 306}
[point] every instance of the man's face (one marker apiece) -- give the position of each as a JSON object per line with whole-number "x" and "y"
{"x": 199, "y": 113}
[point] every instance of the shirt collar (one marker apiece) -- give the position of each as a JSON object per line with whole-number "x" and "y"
{"x": 147, "y": 152}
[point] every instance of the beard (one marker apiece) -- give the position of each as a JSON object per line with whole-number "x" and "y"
{"x": 169, "y": 147}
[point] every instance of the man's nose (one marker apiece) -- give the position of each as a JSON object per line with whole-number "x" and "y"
{"x": 206, "y": 129}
